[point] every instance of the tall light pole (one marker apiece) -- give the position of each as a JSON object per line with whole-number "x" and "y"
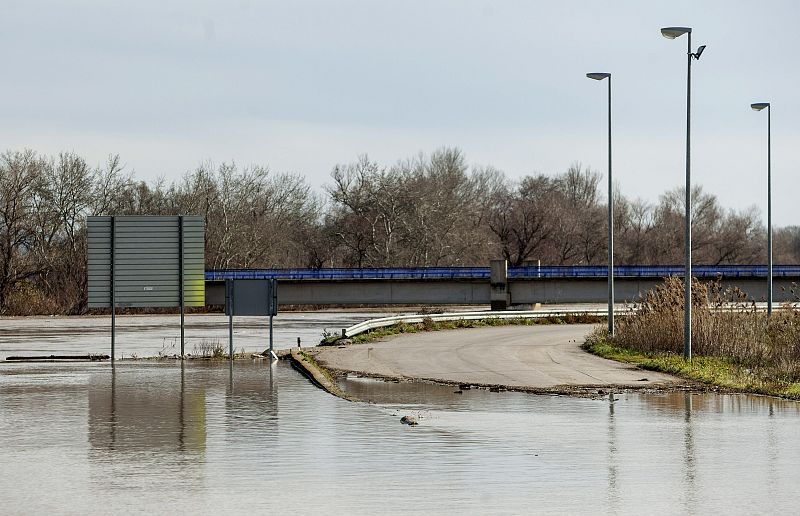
{"x": 672, "y": 33}
{"x": 758, "y": 106}
{"x": 600, "y": 77}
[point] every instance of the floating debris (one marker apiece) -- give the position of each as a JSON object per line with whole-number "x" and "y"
{"x": 90, "y": 357}
{"x": 409, "y": 420}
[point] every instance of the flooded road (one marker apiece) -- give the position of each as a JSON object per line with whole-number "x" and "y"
{"x": 149, "y": 335}
{"x": 210, "y": 438}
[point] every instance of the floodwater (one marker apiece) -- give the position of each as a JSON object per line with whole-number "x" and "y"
{"x": 258, "y": 438}
{"x": 150, "y": 335}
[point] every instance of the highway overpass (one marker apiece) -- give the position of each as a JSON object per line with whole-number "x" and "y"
{"x": 480, "y": 286}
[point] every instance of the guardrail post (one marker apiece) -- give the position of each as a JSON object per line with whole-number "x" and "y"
{"x": 499, "y": 297}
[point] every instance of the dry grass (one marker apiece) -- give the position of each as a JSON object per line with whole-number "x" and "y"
{"x": 724, "y": 325}
{"x": 210, "y": 348}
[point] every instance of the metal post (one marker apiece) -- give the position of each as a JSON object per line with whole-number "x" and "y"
{"x": 610, "y": 225}
{"x": 229, "y": 284}
{"x": 113, "y": 288}
{"x": 180, "y": 244}
{"x": 273, "y": 310}
{"x": 687, "y": 323}
{"x": 769, "y": 210}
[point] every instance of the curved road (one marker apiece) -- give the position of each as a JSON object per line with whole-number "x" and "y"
{"x": 535, "y": 357}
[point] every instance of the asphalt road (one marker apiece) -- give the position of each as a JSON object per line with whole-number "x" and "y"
{"x": 516, "y": 356}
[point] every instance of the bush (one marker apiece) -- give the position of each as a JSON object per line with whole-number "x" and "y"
{"x": 724, "y": 324}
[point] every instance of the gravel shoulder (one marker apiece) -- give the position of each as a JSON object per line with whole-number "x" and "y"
{"x": 546, "y": 358}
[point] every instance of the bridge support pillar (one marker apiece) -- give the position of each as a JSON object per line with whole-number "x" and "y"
{"x": 500, "y": 296}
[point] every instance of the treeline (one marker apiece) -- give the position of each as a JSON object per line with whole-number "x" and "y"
{"x": 429, "y": 210}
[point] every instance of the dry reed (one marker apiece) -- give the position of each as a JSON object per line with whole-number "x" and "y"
{"x": 724, "y": 324}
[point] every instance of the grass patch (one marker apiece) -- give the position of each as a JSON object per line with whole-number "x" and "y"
{"x": 428, "y": 324}
{"x": 724, "y": 372}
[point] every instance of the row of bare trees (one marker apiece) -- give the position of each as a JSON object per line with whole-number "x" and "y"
{"x": 428, "y": 210}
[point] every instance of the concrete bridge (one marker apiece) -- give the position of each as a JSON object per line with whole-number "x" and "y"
{"x": 497, "y": 285}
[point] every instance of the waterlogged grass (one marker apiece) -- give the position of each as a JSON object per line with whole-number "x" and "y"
{"x": 723, "y": 372}
{"x": 429, "y": 324}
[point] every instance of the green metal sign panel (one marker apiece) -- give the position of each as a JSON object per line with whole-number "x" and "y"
{"x": 146, "y": 261}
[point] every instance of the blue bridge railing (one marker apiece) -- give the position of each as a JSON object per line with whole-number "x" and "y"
{"x": 546, "y": 271}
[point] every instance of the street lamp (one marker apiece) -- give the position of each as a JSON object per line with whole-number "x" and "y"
{"x": 758, "y": 106}
{"x": 672, "y": 33}
{"x": 600, "y": 77}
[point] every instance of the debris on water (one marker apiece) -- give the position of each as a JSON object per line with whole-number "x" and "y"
{"x": 91, "y": 357}
{"x": 409, "y": 420}
{"x": 458, "y": 392}
{"x": 642, "y": 379}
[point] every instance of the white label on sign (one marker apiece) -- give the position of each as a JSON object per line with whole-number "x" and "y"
{"x": 148, "y": 288}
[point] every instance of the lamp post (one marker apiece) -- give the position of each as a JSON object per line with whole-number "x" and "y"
{"x": 672, "y": 33}
{"x": 600, "y": 77}
{"x": 758, "y": 106}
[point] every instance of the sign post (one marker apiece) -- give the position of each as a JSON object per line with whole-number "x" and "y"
{"x": 251, "y": 298}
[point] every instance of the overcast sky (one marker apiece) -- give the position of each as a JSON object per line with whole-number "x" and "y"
{"x": 303, "y": 85}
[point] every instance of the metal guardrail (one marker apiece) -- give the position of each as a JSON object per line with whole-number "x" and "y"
{"x": 382, "y": 322}
{"x": 483, "y": 273}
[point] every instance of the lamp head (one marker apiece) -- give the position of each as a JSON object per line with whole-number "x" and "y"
{"x": 758, "y": 106}
{"x": 598, "y": 76}
{"x": 675, "y": 32}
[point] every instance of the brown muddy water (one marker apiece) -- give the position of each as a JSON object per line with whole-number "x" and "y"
{"x": 150, "y": 335}
{"x": 258, "y": 438}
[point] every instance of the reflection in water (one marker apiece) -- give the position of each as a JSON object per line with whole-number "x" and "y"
{"x": 151, "y": 412}
{"x": 689, "y": 457}
{"x": 613, "y": 492}
{"x": 772, "y": 450}
{"x": 208, "y": 437}
{"x": 251, "y": 401}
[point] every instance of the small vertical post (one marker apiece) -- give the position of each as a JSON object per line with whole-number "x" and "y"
{"x": 181, "y": 283}
{"x": 113, "y": 287}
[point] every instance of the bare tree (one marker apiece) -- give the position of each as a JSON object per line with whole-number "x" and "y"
{"x": 21, "y": 178}
{"x": 521, "y": 220}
